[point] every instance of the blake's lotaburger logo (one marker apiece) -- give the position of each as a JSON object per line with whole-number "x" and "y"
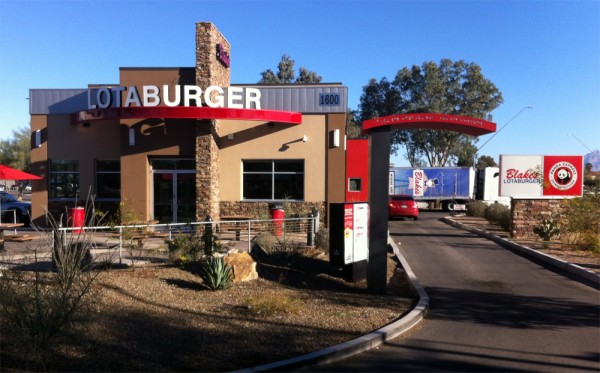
{"x": 418, "y": 180}
{"x": 563, "y": 176}
{"x": 516, "y": 176}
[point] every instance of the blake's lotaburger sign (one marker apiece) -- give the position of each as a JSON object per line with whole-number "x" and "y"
{"x": 541, "y": 176}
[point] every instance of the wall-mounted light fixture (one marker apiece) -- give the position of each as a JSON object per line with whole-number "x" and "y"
{"x": 335, "y": 138}
{"x": 131, "y": 137}
{"x": 38, "y": 138}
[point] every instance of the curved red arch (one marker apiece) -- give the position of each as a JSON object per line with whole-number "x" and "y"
{"x": 448, "y": 122}
{"x": 186, "y": 112}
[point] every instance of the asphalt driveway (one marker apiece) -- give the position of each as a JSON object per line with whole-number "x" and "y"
{"x": 490, "y": 310}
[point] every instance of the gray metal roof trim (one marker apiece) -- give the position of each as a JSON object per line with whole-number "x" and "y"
{"x": 295, "y": 98}
{"x": 57, "y": 101}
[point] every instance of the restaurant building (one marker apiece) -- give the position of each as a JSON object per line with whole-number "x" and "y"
{"x": 181, "y": 144}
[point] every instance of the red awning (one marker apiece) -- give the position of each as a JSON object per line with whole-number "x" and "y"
{"x": 185, "y": 112}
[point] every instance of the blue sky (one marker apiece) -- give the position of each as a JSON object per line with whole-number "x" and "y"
{"x": 540, "y": 53}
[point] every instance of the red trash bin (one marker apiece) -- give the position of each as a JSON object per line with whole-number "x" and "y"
{"x": 277, "y": 214}
{"x": 77, "y": 218}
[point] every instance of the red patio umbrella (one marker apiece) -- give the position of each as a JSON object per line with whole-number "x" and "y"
{"x": 9, "y": 173}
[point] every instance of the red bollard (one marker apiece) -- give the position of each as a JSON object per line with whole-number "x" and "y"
{"x": 277, "y": 214}
{"x": 77, "y": 218}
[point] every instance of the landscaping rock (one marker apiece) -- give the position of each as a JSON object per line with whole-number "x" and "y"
{"x": 244, "y": 267}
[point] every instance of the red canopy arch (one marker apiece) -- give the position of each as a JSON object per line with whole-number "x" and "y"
{"x": 379, "y": 130}
{"x": 448, "y": 122}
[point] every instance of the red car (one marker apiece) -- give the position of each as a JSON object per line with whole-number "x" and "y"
{"x": 403, "y": 205}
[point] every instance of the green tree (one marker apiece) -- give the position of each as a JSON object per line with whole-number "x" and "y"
{"x": 353, "y": 129}
{"x": 286, "y": 74}
{"x": 457, "y": 88}
{"x": 486, "y": 161}
{"x": 16, "y": 151}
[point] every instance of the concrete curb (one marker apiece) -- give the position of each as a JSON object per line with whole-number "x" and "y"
{"x": 361, "y": 344}
{"x": 573, "y": 269}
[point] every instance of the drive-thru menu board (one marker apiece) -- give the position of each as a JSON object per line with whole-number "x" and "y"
{"x": 349, "y": 238}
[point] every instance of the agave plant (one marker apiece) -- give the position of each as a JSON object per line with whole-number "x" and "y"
{"x": 216, "y": 274}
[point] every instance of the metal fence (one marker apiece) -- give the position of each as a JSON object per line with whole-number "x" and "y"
{"x": 239, "y": 234}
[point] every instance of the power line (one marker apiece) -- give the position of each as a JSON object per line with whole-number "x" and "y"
{"x": 505, "y": 124}
{"x": 581, "y": 142}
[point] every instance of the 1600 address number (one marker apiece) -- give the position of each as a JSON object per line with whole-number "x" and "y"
{"x": 329, "y": 99}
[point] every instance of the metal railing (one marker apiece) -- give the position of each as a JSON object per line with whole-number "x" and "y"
{"x": 238, "y": 234}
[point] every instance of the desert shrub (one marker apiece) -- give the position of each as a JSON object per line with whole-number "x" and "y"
{"x": 582, "y": 220}
{"x": 192, "y": 247}
{"x": 216, "y": 274}
{"x": 69, "y": 258}
{"x": 266, "y": 241}
{"x": 500, "y": 214}
{"x": 277, "y": 245}
{"x": 272, "y": 303}
{"x": 36, "y": 306}
{"x": 476, "y": 209}
{"x": 322, "y": 239}
{"x": 588, "y": 241}
{"x": 185, "y": 247}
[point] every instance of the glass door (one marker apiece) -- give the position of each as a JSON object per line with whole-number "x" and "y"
{"x": 186, "y": 198}
{"x": 174, "y": 192}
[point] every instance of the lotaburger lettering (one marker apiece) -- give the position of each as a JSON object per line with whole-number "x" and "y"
{"x": 151, "y": 95}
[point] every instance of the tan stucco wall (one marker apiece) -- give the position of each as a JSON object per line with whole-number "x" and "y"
{"x": 153, "y": 138}
{"x": 65, "y": 141}
{"x": 170, "y": 76}
{"x": 255, "y": 140}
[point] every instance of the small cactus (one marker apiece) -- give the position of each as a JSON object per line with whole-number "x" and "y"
{"x": 547, "y": 229}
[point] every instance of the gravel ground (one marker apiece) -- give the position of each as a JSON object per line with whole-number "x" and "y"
{"x": 161, "y": 318}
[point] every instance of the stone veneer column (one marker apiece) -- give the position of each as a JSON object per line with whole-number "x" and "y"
{"x": 528, "y": 214}
{"x": 209, "y": 71}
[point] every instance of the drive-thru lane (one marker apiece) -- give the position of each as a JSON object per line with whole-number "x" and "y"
{"x": 490, "y": 310}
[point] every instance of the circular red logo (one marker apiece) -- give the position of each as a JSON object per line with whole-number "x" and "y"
{"x": 563, "y": 176}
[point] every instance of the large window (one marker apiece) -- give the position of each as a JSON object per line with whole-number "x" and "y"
{"x": 64, "y": 179}
{"x": 273, "y": 180}
{"x": 108, "y": 180}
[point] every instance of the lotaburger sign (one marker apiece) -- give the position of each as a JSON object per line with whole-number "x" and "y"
{"x": 541, "y": 176}
{"x": 171, "y": 96}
